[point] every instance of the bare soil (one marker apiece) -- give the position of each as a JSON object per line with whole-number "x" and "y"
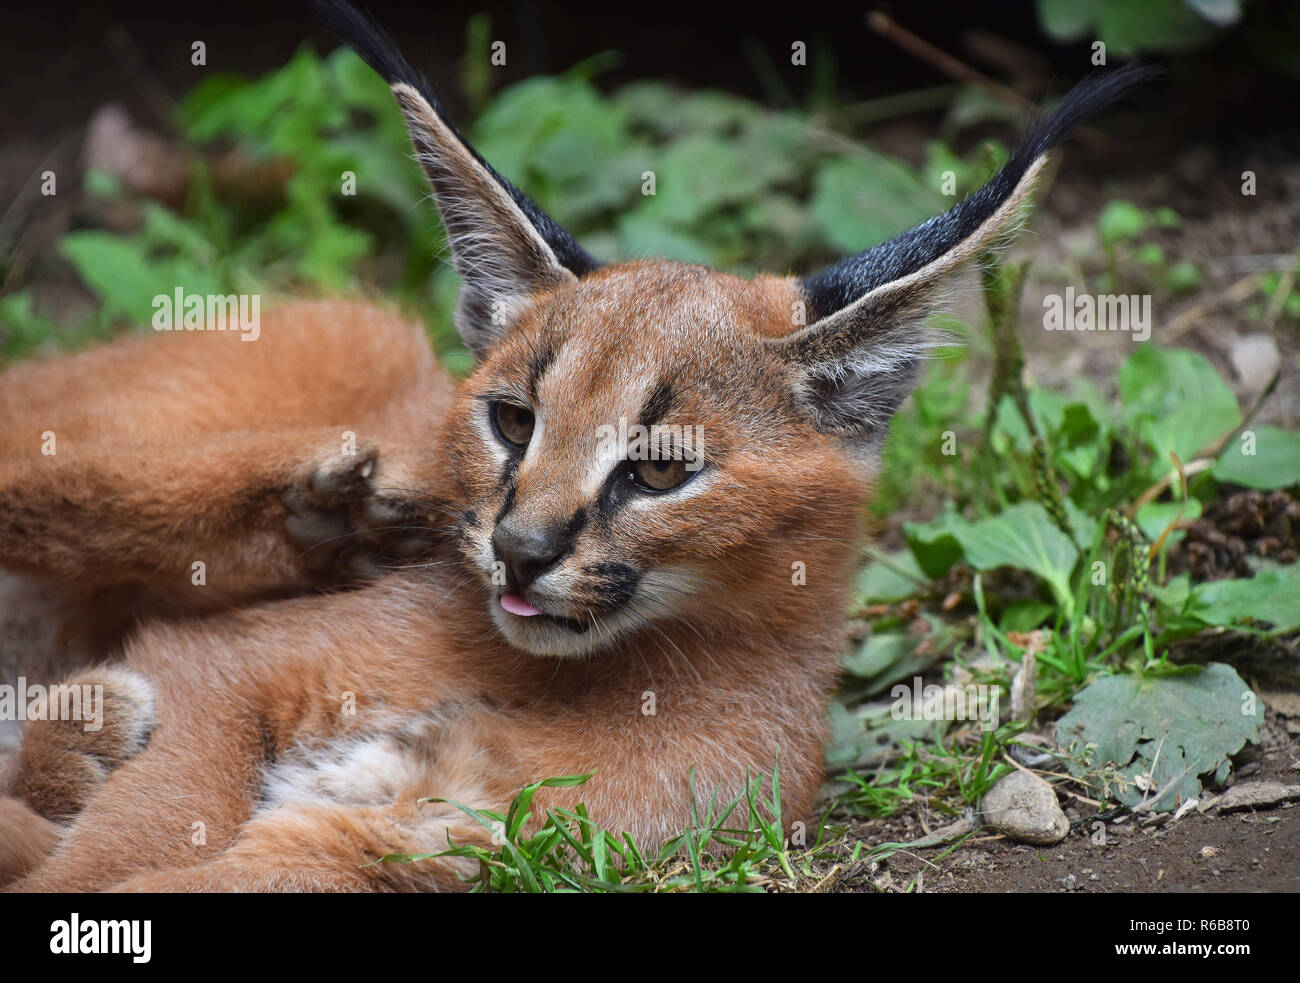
{"x": 1251, "y": 851}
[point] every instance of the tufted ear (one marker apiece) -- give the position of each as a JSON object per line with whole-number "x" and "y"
{"x": 854, "y": 365}
{"x": 502, "y": 244}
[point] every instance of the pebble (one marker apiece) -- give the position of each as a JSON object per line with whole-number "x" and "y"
{"x": 1024, "y": 807}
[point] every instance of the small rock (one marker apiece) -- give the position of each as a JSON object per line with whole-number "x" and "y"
{"x": 1257, "y": 795}
{"x": 1207, "y": 852}
{"x": 1024, "y": 807}
{"x": 1255, "y": 359}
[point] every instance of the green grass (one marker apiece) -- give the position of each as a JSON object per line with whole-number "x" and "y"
{"x": 736, "y": 846}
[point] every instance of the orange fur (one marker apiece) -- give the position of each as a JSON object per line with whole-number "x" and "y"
{"x": 252, "y": 700}
{"x": 541, "y": 611}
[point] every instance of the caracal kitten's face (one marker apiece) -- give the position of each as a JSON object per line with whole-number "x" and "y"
{"x": 649, "y": 445}
{"x": 627, "y": 445}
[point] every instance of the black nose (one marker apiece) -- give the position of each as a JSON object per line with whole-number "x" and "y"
{"x": 526, "y": 552}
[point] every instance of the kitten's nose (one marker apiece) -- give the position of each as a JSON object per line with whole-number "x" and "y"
{"x": 526, "y": 552}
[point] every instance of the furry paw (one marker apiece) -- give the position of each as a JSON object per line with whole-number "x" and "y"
{"x": 104, "y": 721}
{"x": 348, "y": 523}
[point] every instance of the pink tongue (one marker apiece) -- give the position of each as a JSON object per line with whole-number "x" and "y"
{"x": 515, "y": 604}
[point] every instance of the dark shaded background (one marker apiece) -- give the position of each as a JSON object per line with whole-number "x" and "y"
{"x": 60, "y": 59}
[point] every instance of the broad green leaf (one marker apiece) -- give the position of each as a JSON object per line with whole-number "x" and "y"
{"x": 886, "y": 657}
{"x": 698, "y": 175}
{"x": 1154, "y": 517}
{"x": 117, "y": 270}
{"x": 1179, "y": 402}
{"x": 870, "y": 727}
{"x": 1024, "y": 615}
{"x": 640, "y": 235}
{"x": 1130, "y": 26}
{"x": 862, "y": 200}
{"x": 883, "y": 582}
{"x": 1171, "y": 598}
{"x": 1025, "y": 537}
{"x": 879, "y": 651}
{"x": 933, "y": 543}
{"x": 1271, "y": 596}
{"x": 1274, "y": 463}
{"x": 1068, "y": 20}
{"x": 1173, "y": 728}
{"x": 121, "y": 273}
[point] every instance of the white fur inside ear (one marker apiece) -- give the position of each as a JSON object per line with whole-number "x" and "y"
{"x": 995, "y": 231}
{"x": 496, "y": 249}
{"x": 854, "y": 367}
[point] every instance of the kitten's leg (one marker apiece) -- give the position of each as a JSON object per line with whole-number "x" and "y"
{"x": 93, "y": 723}
{"x": 332, "y": 848}
{"x": 173, "y": 805}
{"x": 232, "y": 693}
{"x": 133, "y": 462}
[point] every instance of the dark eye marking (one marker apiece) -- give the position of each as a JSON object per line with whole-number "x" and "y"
{"x": 657, "y": 405}
{"x": 619, "y": 581}
{"x": 508, "y": 472}
{"x": 576, "y": 524}
{"x": 539, "y": 361}
{"x": 506, "y": 505}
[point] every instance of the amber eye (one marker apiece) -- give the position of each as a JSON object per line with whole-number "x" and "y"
{"x": 661, "y": 474}
{"x": 514, "y": 423}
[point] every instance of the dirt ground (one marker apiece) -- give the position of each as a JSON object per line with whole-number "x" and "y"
{"x": 1247, "y": 851}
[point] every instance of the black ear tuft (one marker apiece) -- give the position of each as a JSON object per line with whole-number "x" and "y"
{"x": 837, "y": 286}
{"x": 860, "y": 357}
{"x": 378, "y": 49}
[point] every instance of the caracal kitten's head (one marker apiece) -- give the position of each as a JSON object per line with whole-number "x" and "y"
{"x": 654, "y": 442}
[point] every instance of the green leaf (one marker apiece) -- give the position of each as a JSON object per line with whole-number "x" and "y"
{"x": 1183, "y": 277}
{"x": 879, "y": 651}
{"x": 1024, "y": 615}
{"x": 892, "y": 581}
{"x": 121, "y": 272}
{"x": 1025, "y": 537}
{"x": 1275, "y": 462}
{"x": 862, "y": 200}
{"x": 1154, "y": 517}
{"x": 933, "y": 543}
{"x": 1130, "y": 26}
{"x": 1120, "y": 220}
{"x": 696, "y": 177}
{"x": 1271, "y": 596}
{"x": 1172, "y": 727}
{"x": 1171, "y": 598}
{"x": 870, "y": 727}
{"x": 639, "y": 234}
{"x": 1067, "y": 20}
{"x": 885, "y": 657}
{"x": 116, "y": 269}
{"x": 1178, "y": 401}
